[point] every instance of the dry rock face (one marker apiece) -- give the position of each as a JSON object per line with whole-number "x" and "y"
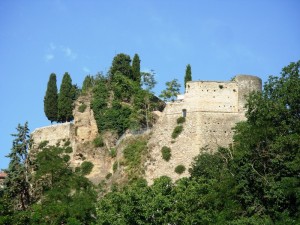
{"x": 211, "y": 110}
{"x": 81, "y": 134}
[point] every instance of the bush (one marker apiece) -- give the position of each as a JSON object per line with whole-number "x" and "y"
{"x": 67, "y": 143}
{"x": 86, "y": 167}
{"x": 43, "y": 144}
{"x": 68, "y": 150}
{"x": 98, "y": 142}
{"x": 180, "y": 169}
{"x": 166, "y": 153}
{"x": 82, "y": 108}
{"x": 181, "y": 120}
{"x": 115, "y": 166}
{"x": 66, "y": 158}
{"x": 113, "y": 152}
{"x": 177, "y": 130}
{"x": 108, "y": 176}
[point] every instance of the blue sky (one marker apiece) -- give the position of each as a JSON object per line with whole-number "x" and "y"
{"x": 218, "y": 38}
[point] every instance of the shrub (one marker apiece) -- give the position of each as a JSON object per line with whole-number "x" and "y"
{"x": 86, "y": 167}
{"x": 181, "y": 120}
{"x": 43, "y": 144}
{"x": 166, "y": 153}
{"x": 180, "y": 169}
{"x": 82, "y": 108}
{"x": 68, "y": 150}
{"x": 67, "y": 143}
{"x": 113, "y": 152}
{"x": 108, "y": 176}
{"x": 115, "y": 166}
{"x": 66, "y": 158}
{"x": 177, "y": 130}
{"x": 98, "y": 142}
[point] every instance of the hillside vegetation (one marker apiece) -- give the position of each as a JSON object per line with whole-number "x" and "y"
{"x": 254, "y": 181}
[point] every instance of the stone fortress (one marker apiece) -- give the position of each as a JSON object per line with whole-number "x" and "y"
{"x": 211, "y": 109}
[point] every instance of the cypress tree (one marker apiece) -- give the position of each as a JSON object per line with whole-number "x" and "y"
{"x": 136, "y": 71}
{"x": 65, "y": 99}
{"x": 188, "y": 74}
{"x": 50, "y": 99}
{"x": 121, "y": 63}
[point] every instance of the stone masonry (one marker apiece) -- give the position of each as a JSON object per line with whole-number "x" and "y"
{"x": 211, "y": 108}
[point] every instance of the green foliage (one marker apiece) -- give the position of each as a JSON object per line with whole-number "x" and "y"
{"x": 177, "y": 130}
{"x": 179, "y": 169}
{"x": 108, "y": 176}
{"x": 136, "y": 71}
{"x": 166, "y": 153}
{"x": 43, "y": 144}
{"x": 121, "y": 64}
{"x": 115, "y": 166}
{"x": 180, "y": 120}
{"x": 86, "y": 167}
{"x": 171, "y": 91}
{"x": 51, "y": 99}
{"x": 113, "y": 152}
{"x": 65, "y": 99}
{"x": 266, "y": 163}
{"x": 98, "y": 141}
{"x": 133, "y": 154}
{"x": 188, "y": 74}
{"x": 16, "y": 184}
{"x": 67, "y": 143}
{"x": 148, "y": 80}
{"x": 68, "y": 149}
{"x": 88, "y": 83}
{"x": 66, "y": 158}
{"x": 82, "y": 108}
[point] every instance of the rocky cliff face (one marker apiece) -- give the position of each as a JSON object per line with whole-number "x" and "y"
{"x": 211, "y": 110}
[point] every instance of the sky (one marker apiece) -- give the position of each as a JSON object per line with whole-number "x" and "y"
{"x": 218, "y": 38}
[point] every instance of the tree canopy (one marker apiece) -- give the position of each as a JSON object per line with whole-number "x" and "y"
{"x": 136, "y": 70}
{"x": 65, "y": 99}
{"x": 171, "y": 91}
{"x": 188, "y": 74}
{"x": 51, "y": 98}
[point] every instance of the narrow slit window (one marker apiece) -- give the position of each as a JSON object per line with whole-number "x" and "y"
{"x": 184, "y": 113}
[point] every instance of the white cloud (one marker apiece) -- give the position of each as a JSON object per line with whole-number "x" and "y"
{"x": 69, "y": 52}
{"x": 85, "y": 69}
{"x": 61, "y": 50}
{"x": 49, "y": 57}
{"x": 52, "y": 46}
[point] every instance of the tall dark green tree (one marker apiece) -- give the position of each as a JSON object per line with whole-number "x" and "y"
{"x": 188, "y": 74}
{"x": 65, "y": 99}
{"x": 136, "y": 70}
{"x": 121, "y": 63}
{"x": 17, "y": 181}
{"x": 50, "y": 99}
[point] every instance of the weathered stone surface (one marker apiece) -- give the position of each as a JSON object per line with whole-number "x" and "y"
{"x": 212, "y": 110}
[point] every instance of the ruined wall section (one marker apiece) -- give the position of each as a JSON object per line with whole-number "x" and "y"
{"x": 53, "y": 134}
{"x": 212, "y": 110}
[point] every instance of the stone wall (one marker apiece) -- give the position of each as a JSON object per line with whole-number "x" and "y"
{"x": 212, "y": 110}
{"x": 53, "y": 134}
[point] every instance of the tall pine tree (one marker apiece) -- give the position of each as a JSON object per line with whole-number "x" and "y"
{"x": 17, "y": 182}
{"x": 50, "y": 99}
{"x": 65, "y": 99}
{"x": 188, "y": 74}
{"x": 136, "y": 70}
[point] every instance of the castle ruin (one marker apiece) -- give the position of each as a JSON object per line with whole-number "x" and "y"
{"x": 211, "y": 109}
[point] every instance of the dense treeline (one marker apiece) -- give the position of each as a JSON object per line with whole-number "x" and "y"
{"x": 254, "y": 181}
